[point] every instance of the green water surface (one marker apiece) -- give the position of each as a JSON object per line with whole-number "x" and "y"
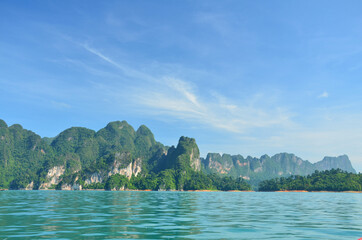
{"x": 179, "y": 215}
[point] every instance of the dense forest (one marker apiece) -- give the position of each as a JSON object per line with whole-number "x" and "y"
{"x": 168, "y": 180}
{"x": 329, "y": 180}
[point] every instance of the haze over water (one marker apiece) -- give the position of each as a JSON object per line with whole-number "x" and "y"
{"x": 179, "y": 215}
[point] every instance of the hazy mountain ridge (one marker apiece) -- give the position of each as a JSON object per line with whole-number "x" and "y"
{"x": 265, "y": 167}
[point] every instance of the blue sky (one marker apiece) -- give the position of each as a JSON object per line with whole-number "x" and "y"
{"x": 248, "y": 77}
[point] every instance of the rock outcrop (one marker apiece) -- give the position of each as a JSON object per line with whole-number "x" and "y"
{"x": 53, "y": 177}
{"x": 186, "y": 156}
{"x": 73, "y": 187}
{"x": 124, "y": 165}
{"x": 95, "y": 178}
{"x": 341, "y": 162}
{"x": 30, "y": 186}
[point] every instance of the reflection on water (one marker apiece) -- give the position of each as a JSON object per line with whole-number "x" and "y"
{"x": 186, "y": 215}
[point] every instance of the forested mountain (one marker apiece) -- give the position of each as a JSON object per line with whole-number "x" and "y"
{"x": 118, "y": 157}
{"x": 27, "y": 158}
{"x": 23, "y": 154}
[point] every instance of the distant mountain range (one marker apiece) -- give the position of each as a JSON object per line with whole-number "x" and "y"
{"x": 80, "y": 156}
{"x": 265, "y": 167}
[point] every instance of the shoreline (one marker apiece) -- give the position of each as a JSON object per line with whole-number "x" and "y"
{"x": 240, "y": 191}
{"x": 291, "y": 191}
{"x": 305, "y": 191}
{"x": 149, "y": 190}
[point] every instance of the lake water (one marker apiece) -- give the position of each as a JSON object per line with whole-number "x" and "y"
{"x": 179, "y": 215}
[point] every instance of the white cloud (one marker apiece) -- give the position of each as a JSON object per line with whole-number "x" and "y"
{"x": 323, "y": 95}
{"x": 126, "y": 70}
{"x": 180, "y": 99}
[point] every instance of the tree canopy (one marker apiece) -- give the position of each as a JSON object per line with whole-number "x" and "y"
{"x": 329, "y": 180}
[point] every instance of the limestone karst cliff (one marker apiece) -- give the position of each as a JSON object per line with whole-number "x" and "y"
{"x": 78, "y": 158}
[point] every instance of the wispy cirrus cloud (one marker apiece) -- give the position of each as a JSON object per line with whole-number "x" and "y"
{"x": 130, "y": 72}
{"x": 180, "y": 99}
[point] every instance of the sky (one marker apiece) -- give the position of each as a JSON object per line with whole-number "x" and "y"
{"x": 241, "y": 77}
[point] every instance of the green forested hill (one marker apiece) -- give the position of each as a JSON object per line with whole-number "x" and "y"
{"x": 328, "y": 180}
{"x": 115, "y": 157}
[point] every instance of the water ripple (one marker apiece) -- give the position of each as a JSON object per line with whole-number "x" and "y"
{"x": 179, "y": 215}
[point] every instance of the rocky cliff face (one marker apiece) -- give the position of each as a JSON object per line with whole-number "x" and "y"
{"x": 133, "y": 168}
{"x": 53, "y": 177}
{"x": 186, "y": 156}
{"x": 30, "y": 186}
{"x": 74, "y": 187}
{"x": 95, "y": 178}
{"x": 55, "y": 173}
{"x": 266, "y": 167}
{"x": 137, "y": 167}
{"x": 221, "y": 164}
{"x": 341, "y": 162}
{"x": 195, "y": 159}
{"x": 124, "y": 165}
